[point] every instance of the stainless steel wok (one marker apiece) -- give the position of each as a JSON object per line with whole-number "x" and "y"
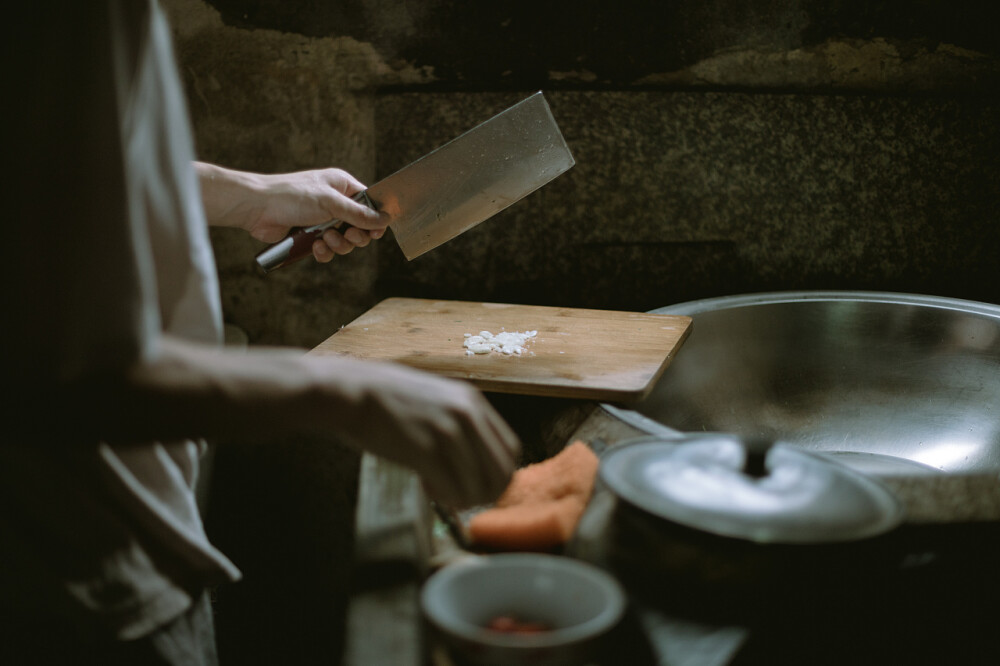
{"x": 887, "y": 383}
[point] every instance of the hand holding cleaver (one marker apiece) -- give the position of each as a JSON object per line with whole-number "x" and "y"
{"x": 456, "y": 186}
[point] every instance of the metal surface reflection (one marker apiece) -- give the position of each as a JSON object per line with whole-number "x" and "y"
{"x": 910, "y": 377}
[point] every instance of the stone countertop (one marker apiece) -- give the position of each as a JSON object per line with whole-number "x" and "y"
{"x": 928, "y": 610}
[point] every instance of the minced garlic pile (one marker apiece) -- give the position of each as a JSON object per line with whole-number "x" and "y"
{"x": 504, "y": 342}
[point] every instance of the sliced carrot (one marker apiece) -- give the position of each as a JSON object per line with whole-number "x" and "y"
{"x": 570, "y": 472}
{"x": 527, "y": 526}
{"x": 542, "y": 505}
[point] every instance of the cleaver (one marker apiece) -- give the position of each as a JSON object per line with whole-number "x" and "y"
{"x": 456, "y": 186}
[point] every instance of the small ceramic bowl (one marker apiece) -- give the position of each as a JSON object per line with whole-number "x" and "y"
{"x": 575, "y": 603}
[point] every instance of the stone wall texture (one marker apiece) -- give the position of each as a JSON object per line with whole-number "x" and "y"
{"x": 722, "y": 147}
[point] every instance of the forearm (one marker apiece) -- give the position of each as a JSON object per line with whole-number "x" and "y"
{"x": 267, "y": 206}
{"x": 442, "y": 428}
{"x": 192, "y": 390}
{"x": 230, "y": 198}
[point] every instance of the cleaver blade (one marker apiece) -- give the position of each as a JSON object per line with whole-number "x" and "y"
{"x": 456, "y": 186}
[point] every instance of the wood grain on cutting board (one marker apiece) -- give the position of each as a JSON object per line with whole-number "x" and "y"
{"x": 604, "y": 355}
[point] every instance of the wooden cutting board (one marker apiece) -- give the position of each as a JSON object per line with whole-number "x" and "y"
{"x": 604, "y": 355}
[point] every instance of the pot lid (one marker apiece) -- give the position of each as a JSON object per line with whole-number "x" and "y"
{"x": 755, "y": 490}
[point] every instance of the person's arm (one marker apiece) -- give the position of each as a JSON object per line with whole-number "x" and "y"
{"x": 267, "y": 205}
{"x": 443, "y": 429}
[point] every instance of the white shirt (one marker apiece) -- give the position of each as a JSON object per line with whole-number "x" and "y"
{"x": 109, "y": 250}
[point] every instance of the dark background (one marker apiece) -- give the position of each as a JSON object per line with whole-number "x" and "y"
{"x": 722, "y": 147}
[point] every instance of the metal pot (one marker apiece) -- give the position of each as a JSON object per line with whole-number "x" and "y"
{"x": 723, "y": 522}
{"x": 753, "y": 490}
{"x": 889, "y": 383}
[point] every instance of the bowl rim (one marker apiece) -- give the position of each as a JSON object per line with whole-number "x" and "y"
{"x": 607, "y": 618}
{"x": 733, "y": 301}
{"x": 630, "y": 415}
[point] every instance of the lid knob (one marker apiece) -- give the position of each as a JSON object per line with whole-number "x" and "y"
{"x": 756, "y": 449}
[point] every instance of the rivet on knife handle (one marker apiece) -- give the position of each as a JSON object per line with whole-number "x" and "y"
{"x": 298, "y": 243}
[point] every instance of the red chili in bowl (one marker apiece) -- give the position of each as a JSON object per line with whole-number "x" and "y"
{"x": 511, "y": 625}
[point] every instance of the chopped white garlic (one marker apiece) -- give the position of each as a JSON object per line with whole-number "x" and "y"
{"x": 504, "y": 342}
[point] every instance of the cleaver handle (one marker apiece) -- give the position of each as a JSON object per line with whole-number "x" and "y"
{"x": 298, "y": 243}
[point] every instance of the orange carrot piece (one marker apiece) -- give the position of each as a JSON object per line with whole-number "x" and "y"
{"x": 542, "y": 505}
{"x": 570, "y": 472}
{"x": 527, "y": 526}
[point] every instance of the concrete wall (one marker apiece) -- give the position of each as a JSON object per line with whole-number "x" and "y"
{"x": 722, "y": 147}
